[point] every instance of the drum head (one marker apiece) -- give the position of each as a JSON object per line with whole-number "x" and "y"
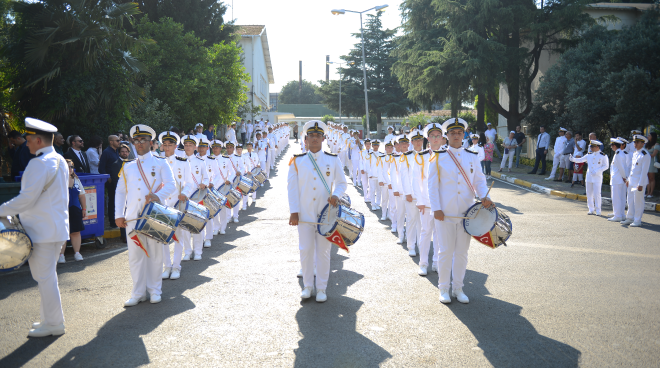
{"x": 328, "y": 218}
{"x": 15, "y": 249}
{"x": 198, "y": 195}
{"x": 482, "y": 223}
{"x": 234, "y": 183}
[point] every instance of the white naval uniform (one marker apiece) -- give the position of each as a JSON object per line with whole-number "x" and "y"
{"x": 384, "y": 177}
{"x": 406, "y": 164}
{"x": 560, "y": 145}
{"x": 449, "y": 192}
{"x": 211, "y": 170}
{"x": 420, "y": 182}
{"x": 226, "y": 173}
{"x": 251, "y": 160}
{"x": 389, "y": 169}
{"x": 618, "y": 176}
{"x": 262, "y": 150}
{"x": 239, "y": 168}
{"x": 199, "y": 173}
{"x": 129, "y": 203}
{"x": 230, "y": 135}
{"x": 598, "y": 163}
{"x": 307, "y": 197}
{"x": 374, "y": 176}
{"x": 365, "y": 164}
{"x": 272, "y": 142}
{"x": 399, "y": 220}
{"x": 45, "y": 217}
{"x": 638, "y": 176}
{"x": 184, "y": 185}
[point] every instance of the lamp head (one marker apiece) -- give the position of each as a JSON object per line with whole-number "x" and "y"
{"x": 381, "y": 8}
{"x": 338, "y": 11}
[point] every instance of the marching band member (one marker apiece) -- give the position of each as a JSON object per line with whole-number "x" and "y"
{"x": 184, "y": 189}
{"x": 385, "y": 183}
{"x": 211, "y": 167}
{"x": 355, "y": 159}
{"x": 151, "y": 180}
{"x": 251, "y": 160}
{"x": 199, "y": 127}
{"x": 476, "y": 147}
{"x": 272, "y": 146}
{"x": 214, "y": 163}
{"x": 43, "y": 206}
{"x": 262, "y": 150}
{"x": 390, "y": 134}
{"x": 598, "y": 163}
{"x": 225, "y": 176}
{"x": 201, "y": 180}
{"x": 407, "y": 164}
{"x": 637, "y": 182}
{"x": 239, "y": 170}
{"x": 310, "y": 178}
{"x": 365, "y": 163}
{"x": 374, "y": 174}
{"x": 454, "y": 178}
{"x": 433, "y": 133}
{"x": 618, "y": 176}
{"x": 399, "y": 221}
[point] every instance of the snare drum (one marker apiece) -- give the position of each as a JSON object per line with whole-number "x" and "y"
{"x": 232, "y": 196}
{"x": 195, "y": 216}
{"x": 346, "y": 220}
{"x": 15, "y": 244}
{"x": 158, "y": 222}
{"x": 345, "y": 199}
{"x": 245, "y": 185}
{"x": 490, "y": 227}
{"x": 208, "y": 198}
{"x": 236, "y": 181}
{"x": 258, "y": 174}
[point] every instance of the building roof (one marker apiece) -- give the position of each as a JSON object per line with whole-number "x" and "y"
{"x": 250, "y": 31}
{"x": 622, "y": 6}
{"x": 306, "y": 109}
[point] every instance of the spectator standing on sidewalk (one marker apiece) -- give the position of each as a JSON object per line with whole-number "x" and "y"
{"x": 564, "y": 162}
{"x": 542, "y": 144}
{"x": 560, "y": 144}
{"x": 242, "y": 130}
{"x": 209, "y": 132}
{"x": 58, "y": 142}
{"x": 108, "y": 157}
{"x": 593, "y": 137}
{"x": 295, "y": 132}
{"x": 94, "y": 153}
{"x": 77, "y": 211}
{"x": 578, "y": 168}
{"x": 653, "y": 147}
{"x": 510, "y": 145}
{"x": 115, "y": 168}
{"x": 489, "y": 147}
{"x": 520, "y": 138}
{"x": 492, "y": 134}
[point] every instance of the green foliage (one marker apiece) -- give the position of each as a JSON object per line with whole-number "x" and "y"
{"x": 386, "y": 96}
{"x": 608, "y": 84}
{"x": 418, "y": 119}
{"x": 200, "y": 84}
{"x": 292, "y": 94}
{"x": 327, "y": 118}
{"x": 153, "y": 112}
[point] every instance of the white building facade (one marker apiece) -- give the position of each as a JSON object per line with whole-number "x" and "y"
{"x": 257, "y": 63}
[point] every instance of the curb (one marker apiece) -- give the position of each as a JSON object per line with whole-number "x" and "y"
{"x": 111, "y": 233}
{"x": 648, "y": 206}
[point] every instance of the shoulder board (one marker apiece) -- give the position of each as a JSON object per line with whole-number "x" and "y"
{"x": 129, "y": 160}
{"x": 409, "y": 152}
{"x": 300, "y": 155}
{"x": 617, "y": 152}
{"x": 160, "y": 157}
{"x": 470, "y": 151}
{"x": 211, "y": 157}
{"x": 396, "y": 154}
{"x": 225, "y": 156}
{"x": 179, "y": 149}
{"x": 199, "y": 157}
{"x": 330, "y": 154}
{"x": 480, "y": 145}
{"x": 440, "y": 151}
{"x": 601, "y": 152}
{"x": 181, "y": 158}
{"x": 588, "y": 153}
{"x": 626, "y": 152}
{"x": 644, "y": 152}
{"x": 422, "y": 153}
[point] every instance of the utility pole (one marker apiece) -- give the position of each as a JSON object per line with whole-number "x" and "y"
{"x": 299, "y": 80}
{"x": 327, "y": 68}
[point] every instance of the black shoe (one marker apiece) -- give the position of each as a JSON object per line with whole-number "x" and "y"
{"x": 542, "y": 173}
{"x": 557, "y": 180}
{"x": 532, "y": 172}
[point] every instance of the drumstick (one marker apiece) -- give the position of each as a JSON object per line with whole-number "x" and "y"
{"x": 312, "y": 223}
{"x": 482, "y": 206}
{"x": 460, "y": 217}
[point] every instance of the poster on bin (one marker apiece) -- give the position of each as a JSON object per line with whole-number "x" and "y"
{"x": 90, "y": 196}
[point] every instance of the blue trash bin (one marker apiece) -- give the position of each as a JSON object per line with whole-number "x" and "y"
{"x": 95, "y": 194}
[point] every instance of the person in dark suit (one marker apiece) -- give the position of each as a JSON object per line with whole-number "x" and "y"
{"x": 115, "y": 168}
{"x": 19, "y": 152}
{"x": 77, "y": 155}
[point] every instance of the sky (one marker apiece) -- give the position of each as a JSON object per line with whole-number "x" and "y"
{"x": 306, "y": 30}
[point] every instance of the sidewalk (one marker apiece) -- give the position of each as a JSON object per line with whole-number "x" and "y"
{"x": 537, "y": 182}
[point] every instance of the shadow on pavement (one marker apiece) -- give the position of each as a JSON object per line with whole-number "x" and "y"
{"x": 30, "y": 349}
{"x": 328, "y": 329}
{"x": 507, "y": 338}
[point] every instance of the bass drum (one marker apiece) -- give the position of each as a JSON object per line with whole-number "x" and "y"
{"x": 488, "y": 226}
{"x": 15, "y": 244}
{"x": 347, "y": 221}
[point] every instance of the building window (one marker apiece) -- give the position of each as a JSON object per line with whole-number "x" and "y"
{"x": 264, "y": 88}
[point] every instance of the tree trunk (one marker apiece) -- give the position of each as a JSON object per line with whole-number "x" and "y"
{"x": 379, "y": 125}
{"x": 513, "y": 83}
{"x": 481, "y": 111}
{"x": 455, "y": 104}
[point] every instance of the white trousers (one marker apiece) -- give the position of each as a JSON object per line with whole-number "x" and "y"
{"x": 635, "y": 204}
{"x": 314, "y": 247}
{"x": 224, "y": 216}
{"x": 428, "y": 232}
{"x": 271, "y": 158}
{"x": 412, "y": 224}
{"x": 619, "y": 200}
{"x": 384, "y": 200}
{"x": 374, "y": 192}
{"x": 392, "y": 208}
{"x": 178, "y": 251}
{"x": 555, "y": 163}
{"x": 217, "y": 220}
{"x": 236, "y": 209}
{"x": 400, "y": 215}
{"x": 510, "y": 157}
{"x": 355, "y": 156}
{"x": 366, "y": 191}
{"x": 593, "y": 196}
{"x": 145, "y": 271}
{"x": 265, "y": 168}
{"x": 193, "y": 242}
{"x": 43, "y": 267}
{"x": 453, "y": 254}
{"x": 209, "y": 229}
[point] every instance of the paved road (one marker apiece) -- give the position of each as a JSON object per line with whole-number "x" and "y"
{"x": 569, "y": 290}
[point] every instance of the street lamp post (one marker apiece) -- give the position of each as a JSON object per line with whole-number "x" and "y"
{"x": 379, "y": 8}
{"x": 341, "y": 76}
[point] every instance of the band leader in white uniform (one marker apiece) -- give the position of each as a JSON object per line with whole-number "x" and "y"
{"x": 43, "y": 206}
{"x": 618, "y": 176}
{"x": 307, "y": 197}
{"x": 451, "y": 195}
{"x": 151, "y": 180}
{"x": 598, "y": 163}
{"x": 637, "y": 182}
{"x": 184, "y": 189}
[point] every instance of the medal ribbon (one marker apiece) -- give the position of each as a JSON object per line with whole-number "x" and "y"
{"x": 460, "y": 168}
{"x": 144, "y": 177}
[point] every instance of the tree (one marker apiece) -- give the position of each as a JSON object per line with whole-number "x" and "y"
{"x": 73, "y": 63}
{"x": 386, "y": 96}
{"x": 292, "y": 94}
{"x": 200, "y": 84}
{"x": 153, "y": 112}
{"x": 608, "y": 84}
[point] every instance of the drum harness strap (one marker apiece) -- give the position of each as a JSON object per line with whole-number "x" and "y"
{"x": 460, "y": 168}
{"x": 144, "y": 177}
{"x": 52, "y": 180}
{"x": 318, "y": 171}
